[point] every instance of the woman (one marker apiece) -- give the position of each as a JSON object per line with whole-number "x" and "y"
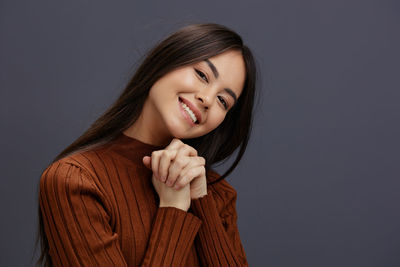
{"x": 137, "y": 188}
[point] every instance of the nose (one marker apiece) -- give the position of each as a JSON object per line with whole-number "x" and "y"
{"x": 204, "y": 98}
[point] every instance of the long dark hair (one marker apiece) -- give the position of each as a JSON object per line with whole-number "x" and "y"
{"x": 188, "y": 45}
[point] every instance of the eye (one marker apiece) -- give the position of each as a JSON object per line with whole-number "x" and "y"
{"x": 202, "y": 75}
{"x": 223, "y": 102}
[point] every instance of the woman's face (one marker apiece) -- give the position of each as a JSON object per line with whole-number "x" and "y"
{"x": 192, "y": 100}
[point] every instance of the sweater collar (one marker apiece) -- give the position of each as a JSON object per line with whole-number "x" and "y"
{"x": 133, "y": 148}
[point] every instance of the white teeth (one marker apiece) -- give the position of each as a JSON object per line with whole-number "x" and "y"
{"x": 189, "y": 111}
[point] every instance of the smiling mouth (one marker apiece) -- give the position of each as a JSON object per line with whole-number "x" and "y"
{"x": 189, "y": 112}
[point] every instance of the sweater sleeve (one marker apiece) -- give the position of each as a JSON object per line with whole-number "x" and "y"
{"x": 76, "y": 223}
{"x": 218, "y": 239}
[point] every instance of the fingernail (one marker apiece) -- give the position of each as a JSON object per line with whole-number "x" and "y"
{"x": 176, "y": 186}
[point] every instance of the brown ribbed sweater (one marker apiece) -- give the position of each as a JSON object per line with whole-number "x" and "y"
{"x": 100, "y": 208}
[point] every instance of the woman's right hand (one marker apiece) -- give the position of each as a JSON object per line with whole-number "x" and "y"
{"x": 169, "y": 196}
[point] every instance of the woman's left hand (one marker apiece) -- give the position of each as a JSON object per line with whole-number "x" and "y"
{"x": 177, "y": 165}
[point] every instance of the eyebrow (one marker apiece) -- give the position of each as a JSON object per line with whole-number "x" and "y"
{"x": 216, "y": 75}
{"x": 212, "y": 67}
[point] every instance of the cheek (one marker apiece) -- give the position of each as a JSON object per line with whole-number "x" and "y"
{"x": 183, "y": 79}
{"x": 174, "y": 82}
{"x": 179, "y": 77}
{"x": 186, "y": 82}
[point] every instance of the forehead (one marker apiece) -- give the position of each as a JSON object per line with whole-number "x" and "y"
{"x": 231, "y": 70}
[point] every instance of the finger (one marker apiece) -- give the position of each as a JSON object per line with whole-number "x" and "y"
{"x": 176, "y": 166}
{"x": 165, "y": 161}
{"x": 192, "y": 161}
{"x": 180, "y": 162}
{"x": 198, "y": 161}
{"x": 188, "y": 175}
{"x": 177, "y": 144}
{"x": 174, "y": 146}
{"x": 155, "y": 161}
{"x": 147, "y": 161}
{"x": 185, "y": 176}
{"x": 188, "y": 150}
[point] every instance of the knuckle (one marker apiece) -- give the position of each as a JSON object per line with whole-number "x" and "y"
{"x": 191, "y": 149}
{"x": 176, "y": 141}
{"x": 180, "y": 161}
{"x": 172, "y": 177}
{"x": 155, "y": 153}
{"x": 179, "y": 183}
{"x": 171, "y": 154}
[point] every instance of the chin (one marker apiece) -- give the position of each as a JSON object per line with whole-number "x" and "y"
{"x": 182, "y": 134}
{"x": 177, "y": 132}
{"x": 193, "y": 135}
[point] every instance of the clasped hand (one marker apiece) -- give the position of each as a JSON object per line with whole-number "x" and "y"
{"x": 178, "y": 174}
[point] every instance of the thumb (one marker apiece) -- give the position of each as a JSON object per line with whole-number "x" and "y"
{"x": 147, "y": 162}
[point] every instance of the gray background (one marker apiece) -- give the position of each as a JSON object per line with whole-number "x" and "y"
{"x": 319, "y": 184}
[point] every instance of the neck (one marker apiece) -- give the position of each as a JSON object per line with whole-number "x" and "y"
{"x": 146, "y": 134}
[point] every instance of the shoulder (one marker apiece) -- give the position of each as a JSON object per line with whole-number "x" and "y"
{"x": 92, "y": 162}
{"x": 76, "y": 168}
{"x": 221, "y": 189}
{"x": 81, "y": 160}
{"x": 63, "y": 171}
{"x": 65, "y": 185}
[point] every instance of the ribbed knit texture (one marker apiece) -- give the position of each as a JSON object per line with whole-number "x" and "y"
{"x": 100, "y": 208}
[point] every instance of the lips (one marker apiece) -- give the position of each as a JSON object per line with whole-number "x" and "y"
{"x": 196, "y": 112}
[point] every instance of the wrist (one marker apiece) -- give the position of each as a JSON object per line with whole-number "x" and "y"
{"x": 200, "y": 196}
{"x": 180, "y": 206}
